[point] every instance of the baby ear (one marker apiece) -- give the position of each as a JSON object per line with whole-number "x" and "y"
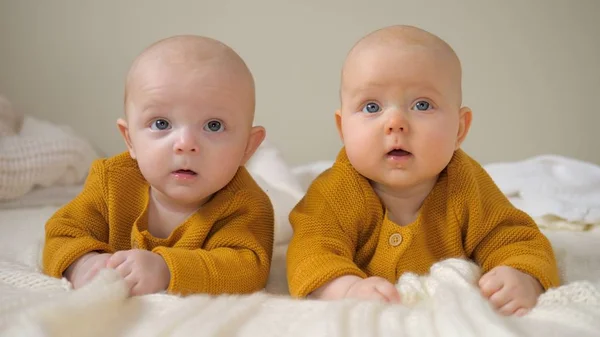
{"x": 338, "y": 123}
{"x": 123, "y": 128}
{"x": 465, "y": 115}
{"x": 256, "y": 137}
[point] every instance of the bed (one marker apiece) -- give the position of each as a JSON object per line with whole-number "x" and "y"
{"x": 442, "y": 303}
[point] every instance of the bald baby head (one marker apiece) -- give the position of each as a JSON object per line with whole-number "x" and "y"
{"x": 177, "y": 58}
{"x": 404, "y": 39}
{"x": 403, "y": 35}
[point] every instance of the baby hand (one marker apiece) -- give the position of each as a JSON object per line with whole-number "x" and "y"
{"x": 510, "y": 290}
{"x": 144, "y": 272}
{"x": 374, "y": 288}
{"x": 85, "y": 268}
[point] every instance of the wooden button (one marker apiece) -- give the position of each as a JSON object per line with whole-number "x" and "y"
{"x": 395, "y": 239}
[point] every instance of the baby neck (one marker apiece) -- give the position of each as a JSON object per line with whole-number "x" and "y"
{"x": 168, "y": 205}
{"x": 165, "y": 214}
{"x": 403, "y": 204}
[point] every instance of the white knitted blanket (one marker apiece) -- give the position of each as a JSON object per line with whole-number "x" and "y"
{"x": 41, "y": 154}
{"x": 445, "y": 303}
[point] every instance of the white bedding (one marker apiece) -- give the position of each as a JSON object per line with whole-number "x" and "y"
{"x": 555, "y": 190}
{"x": 444, "y": 303}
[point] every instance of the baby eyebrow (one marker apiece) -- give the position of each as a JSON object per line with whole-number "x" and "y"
{"x": 364, "y": 87}
{"x": 152, "y": 107}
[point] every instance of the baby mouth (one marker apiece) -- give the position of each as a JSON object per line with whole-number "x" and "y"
{"x": 398, "y": 153}
{"x": 185, "y": 172}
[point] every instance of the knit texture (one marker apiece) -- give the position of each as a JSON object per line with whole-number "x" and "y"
{"x": 342, "y": 228}
{"x": 225, "y": 247}
{"x": 444, "y": 303}
{"x": 41, "y": 155}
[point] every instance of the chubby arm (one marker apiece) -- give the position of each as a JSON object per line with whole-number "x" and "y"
{"x": 515, "y": 241}
{"x": 236, "y": 257}
{"x": 79, "y": 227}
{"x": 498, "y": 234}
{"x": 320, "y": 250}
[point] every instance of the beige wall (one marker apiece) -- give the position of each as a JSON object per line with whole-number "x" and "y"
{"x": 532, "y": 67}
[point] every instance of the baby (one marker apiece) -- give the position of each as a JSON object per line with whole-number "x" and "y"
{"x": 178, "y": 212}
{"x": 402, "y": 195}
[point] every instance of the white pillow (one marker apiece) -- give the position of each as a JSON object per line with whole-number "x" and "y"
{"x": 268, "y": 163}
{"x": 305, "y": 174}
{"x": 276, "y": 178}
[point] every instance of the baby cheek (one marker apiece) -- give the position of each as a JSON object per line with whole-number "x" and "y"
{"x": 360, "y": 139}
{"x": 223, "y": 159}
{"x": 359, "y": 134}
{"x": 363, "y": 155}
{"x": 440, "y": 147}
{"x": 358, "y": 148}
{"x": 151, "y": 169}
{"x": 441, "y": 138}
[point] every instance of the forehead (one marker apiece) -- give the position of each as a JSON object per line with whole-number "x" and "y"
{"x": 379, "y": 63}
{"x": 176, "y": 84}
{"x": 415, "y": 67}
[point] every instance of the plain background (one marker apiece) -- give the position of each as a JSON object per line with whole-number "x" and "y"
{"x": 531, "y": 67}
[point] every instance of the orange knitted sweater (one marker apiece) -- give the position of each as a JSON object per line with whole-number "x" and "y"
{"x": 225, "y": 247}
{"x": 342, "y": 228}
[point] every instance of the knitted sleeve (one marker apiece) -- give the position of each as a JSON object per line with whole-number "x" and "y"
{"x": 322, "y": 247}
{"x": 79, "y": 227}
{"x": 497, "y": 233}
{"x": 237, "y": 255}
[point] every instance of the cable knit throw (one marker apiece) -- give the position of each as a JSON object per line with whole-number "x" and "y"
{"x": 38, "y": 153}
{"x": 444, "y": 303}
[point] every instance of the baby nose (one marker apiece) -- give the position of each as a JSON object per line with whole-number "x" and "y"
{"x": 186, "y": 143}
{"x": 395, "y": 123}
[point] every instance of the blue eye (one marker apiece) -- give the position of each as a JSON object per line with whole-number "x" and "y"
{"x": 213, "y": 126}
{"x": 422, "y": 106}
{"x": 160, "y": 124}
{"x": 371, "y": 107}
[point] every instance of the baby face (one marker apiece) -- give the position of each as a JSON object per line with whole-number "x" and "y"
{"x": 400, "y": 117}
{"x": 189, "y": 129}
